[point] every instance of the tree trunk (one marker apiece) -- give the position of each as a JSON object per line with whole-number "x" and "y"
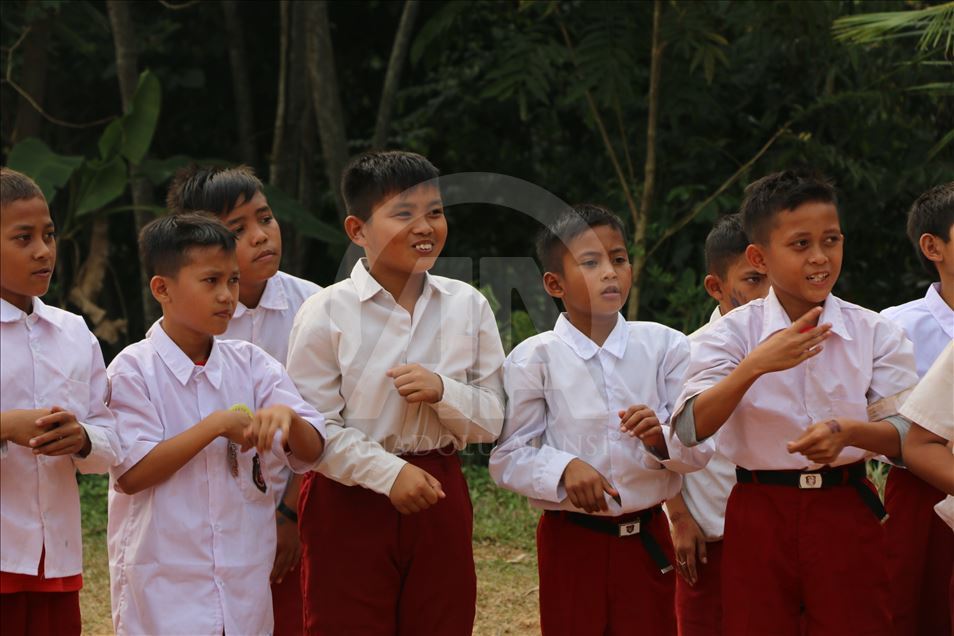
{"x": 649, "y": 168}
{"x": 35, "y": 64}
{"x": 278, "y": 166}
{"x": 326, "y": 97}
{"x": 89, "y": 283}
{"x": 240, "y": 82}
{"x": 392, "y": 79}
{"x": 124, "y": 39}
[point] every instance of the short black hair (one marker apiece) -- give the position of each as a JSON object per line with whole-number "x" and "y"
{"x": 725, "y": 243}
{"x": 165, "y": 242}
{"x": 552, "y": 241}
{"x": 778, "y": 192}
{"x": 16, "y": 186}
{"x": 214, "y": 189}
{"x": 374, "y": 176}
{"x": 931, "y": 213}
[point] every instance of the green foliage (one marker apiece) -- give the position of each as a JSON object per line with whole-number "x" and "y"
{"x": 500, "y": 516}
{"x": 933, "y": 26}
{"x": 50, "y": 170}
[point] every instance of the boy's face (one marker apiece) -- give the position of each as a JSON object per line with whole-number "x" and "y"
{"x": 405, "y": 233}
{"x": 259, "y": 239}
{"x": 742, "y": 283}
{"x": 202, "y": 296}
{"x": 27, "y": 251}
{"x": 596, "y": 276}
{"x": 802, "y": 257}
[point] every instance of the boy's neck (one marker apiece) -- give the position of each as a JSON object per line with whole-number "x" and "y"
{"x": 595, "y": 327}
{"x": 21, "y": 302}
{"x": 194, "y": 344}
{"x": 794, "y": 307}
{"x": 250, "y": 294}
{"x": 404, "y": 287}
{"x": 946, "y": 290}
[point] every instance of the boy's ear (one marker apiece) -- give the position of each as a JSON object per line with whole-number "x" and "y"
{"x": 713, "y": 285}
{"x": 931, "y": 247}
{"x": 553, "y": 284}
{"x": 756, "y": 258}
{"x": 354, "y": 228}
{"x": 159, "y": 289}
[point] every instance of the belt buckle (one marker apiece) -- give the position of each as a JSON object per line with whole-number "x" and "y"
{"x": 629, "y": 528}
{"x": 809, "y": 481}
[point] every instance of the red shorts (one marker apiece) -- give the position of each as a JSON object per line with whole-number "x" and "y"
{"x": 699, "y": 606}
{"x": 40, "y": 614}
{"x": 287, "y": 604}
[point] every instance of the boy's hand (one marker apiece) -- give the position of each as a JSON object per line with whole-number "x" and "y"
{"x": 64, "y": 435}
{"x": 232, "y": 425}
{"x": 19, "y": 425}
{"x": 585, "y": 486}
{"x": 267, "y": 421}
{"x": 822, "y": 442}
{"x": 417, "y": 384}
{"x": 415, "y": 490}
{"x": 288, "y": 549}
{"x": 689, "y": 543}
{"x": 640, "y": 421}
{"x": 791, "y": 346}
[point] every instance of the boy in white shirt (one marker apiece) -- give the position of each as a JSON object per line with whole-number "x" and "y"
{"x": 697, "y": 514}
{"x": 191, "y": 517}
{"x": 267, "y": 304}
{"x": 584, "y": 438}
{"x": 786, "y": 381}
{"x": 53, "y": 421}
{"x": 405, "y": 366}
{"x": 920, "y": 545}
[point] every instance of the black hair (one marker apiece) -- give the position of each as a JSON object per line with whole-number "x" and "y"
{"x": 165, "y": 242}
{"x": 374, "y": 176}
{"x": 931, "y": 213}
{"x": 552, "y": 241}
{"x": 780, "y": 192}
{"x": 214, "y": 189}
{"x": 16, "y": 186}
{"x": 725, "y": 243}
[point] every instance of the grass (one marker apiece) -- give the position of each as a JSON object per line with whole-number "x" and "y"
{"x": 504, "y": 554}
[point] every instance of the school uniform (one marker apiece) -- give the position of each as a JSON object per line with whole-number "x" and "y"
{"x": 608, "y": 572}
{"x": 49, "y": 358}
{"x": 799, "y": 534}
{"x": 193, "y": 554}
{"x": 920, "y": 545}
{"x": 268, "y": 325}
{"x": 365, "y": 567}
{"x": 706, "y": 492}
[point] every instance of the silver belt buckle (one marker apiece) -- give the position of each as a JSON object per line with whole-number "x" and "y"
{"x": 809, "y": 481}
{"x": 629, "y": 528}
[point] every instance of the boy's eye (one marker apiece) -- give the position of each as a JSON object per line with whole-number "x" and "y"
{"x": 622, "y": 260}
{"x": 833, "y": 239}
{"x": 51, "y": 234}
{"x": 237, "y": 231}
{"x": 266, "y": 219}
{"x": 21, "y": 237}
{"x": 234, "y": 280}
{"x": 437, "y": 212}
{"x": 589, "y": 263}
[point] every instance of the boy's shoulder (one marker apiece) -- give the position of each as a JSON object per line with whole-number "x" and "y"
{"x": 533, "y": 349}
{"x": 296, "y": 289}
{"x": 908, "y": 311}
{"x": 652, "y": 330}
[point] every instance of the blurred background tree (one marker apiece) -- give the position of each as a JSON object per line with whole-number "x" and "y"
{"x": 661, "y": 110}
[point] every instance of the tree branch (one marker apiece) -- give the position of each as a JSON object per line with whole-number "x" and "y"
{"x": 392, "y": 79}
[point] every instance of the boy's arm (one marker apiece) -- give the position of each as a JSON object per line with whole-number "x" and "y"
{"x": 927, "y": 455}
{"x": 688, "y": 540}
{"x": 349, "y": 457}
{"x": 521, "y": 462}
{"x": 99, "y": 422}
{"x": 474, "y": 411}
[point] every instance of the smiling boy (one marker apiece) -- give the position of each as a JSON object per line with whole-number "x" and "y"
{"x": 787, "y": 381}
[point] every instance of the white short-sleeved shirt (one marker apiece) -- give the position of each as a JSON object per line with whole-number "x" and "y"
{"x": 346, "y": 338}
{"x": 706, "y": 491}
{"x": 929, "y": 323}
{"x": 49, "y": 358}
{"x": 564, "y": 397}
{"x": 931, "y": 406}
{"x": 193, "y": 553}
{"x": 866, "y": 358}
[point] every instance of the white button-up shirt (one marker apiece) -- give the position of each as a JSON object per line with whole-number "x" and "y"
{"x": 564, "y": 397}
{"x": 345, "y": 339}
{"x": 929, "y": 323}
{"x": 269, "y": 324}
{"x": 49, "y": 358}
{"x": 192, "y": 555}
{"x": 866, "y": 358}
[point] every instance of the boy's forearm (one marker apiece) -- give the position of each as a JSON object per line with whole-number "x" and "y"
{"x": 712, "y": 407}
{"x": 292, "y": 490}
{"x": 877, "y": 437}
{"x": 677, "y": 508}
{"x": 928, "y": 456}
{"x": 304, "y": 441}
{"x": 169, "y": 456}
{"x": 16, "y": 418}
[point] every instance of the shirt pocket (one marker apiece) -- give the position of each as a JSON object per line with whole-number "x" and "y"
{"x": 253, "y": 476}
{"x": 65, "y": 392}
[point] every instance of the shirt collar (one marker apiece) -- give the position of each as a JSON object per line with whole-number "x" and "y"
{"x": 940, "y": 309}
{"x": 775, "y": 319}
{"x": 273, "y": 297}
{"x": 716, "y": 314}
{"x": 41, "y": 311}
{"x": 179, "y": 363}
{"x": 368, "y": 286}
{"x": 584, "y": 347}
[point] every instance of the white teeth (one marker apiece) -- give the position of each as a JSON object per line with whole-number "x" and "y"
{"x": 817, "y": 277}
{"x": 424, "y": 247}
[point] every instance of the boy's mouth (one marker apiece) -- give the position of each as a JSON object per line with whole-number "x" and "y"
{"x": 818, "y": 278}
{"x": 612, "y": 290}
{"x": 424, "y": 247}
{"x": 43, "y": 273}
{"x": 267, "y": 254}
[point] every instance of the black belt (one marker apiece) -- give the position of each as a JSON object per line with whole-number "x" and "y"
{"x": 853, "y": 475}
{"x": 627, "y": 526}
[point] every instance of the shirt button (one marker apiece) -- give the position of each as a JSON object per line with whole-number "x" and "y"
{"x": 615, "y": 435}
